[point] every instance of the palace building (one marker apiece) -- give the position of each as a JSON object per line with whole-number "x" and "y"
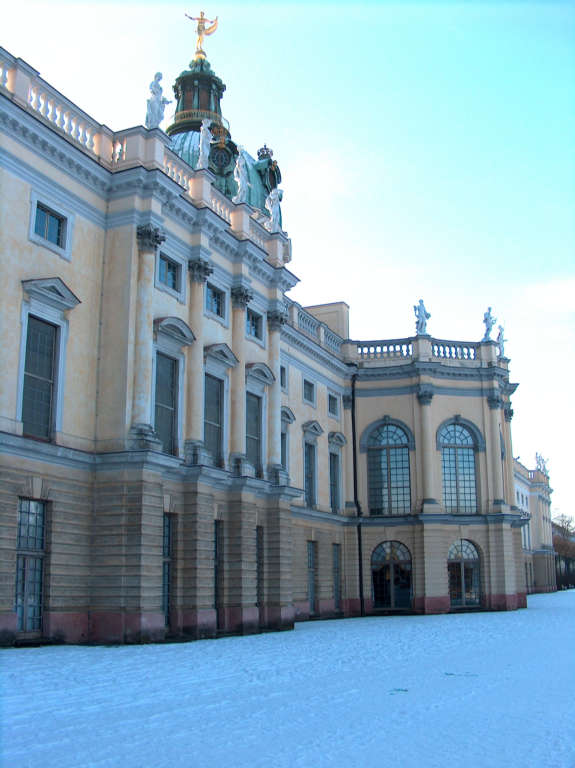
{"x": 185, "y": 450}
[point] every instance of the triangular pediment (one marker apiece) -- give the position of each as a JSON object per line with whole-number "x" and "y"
{"x": 222, "y": 354}
{"x": 52, "y": 291}
{"x": 313, "y": 428}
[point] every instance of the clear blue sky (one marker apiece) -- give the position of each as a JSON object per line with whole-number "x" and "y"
{"x": 427, "y": 151}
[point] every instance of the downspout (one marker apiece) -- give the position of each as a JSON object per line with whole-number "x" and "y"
{"x": 355, "y": 496}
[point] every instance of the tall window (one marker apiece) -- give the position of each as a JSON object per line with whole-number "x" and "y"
{"x": 463, "y": 570}
{"x": 213, "y": 406}
{"x": 458, "y": 469}
{"x": 166, "y": 402}
{"x": 254, "y": 430}
{"x": 167, "y": 568}
{"x": 336, "y": 579}
{"x": 30, "y": 565}
{"x": 39, "y": 369}
{"x": 260, "y": 565}
{"x": 309, "y": 474}
{"x": 284, "y": 451}
{"x": 217, "y": 551}
{"x": 253, "y": 324}
{"x": 388, "y": 466}
{"x": 391, "y": 576}
{"x": 311, "y": 574}
{"x": 214, "y": 300}
{"x": 334, "y": 482}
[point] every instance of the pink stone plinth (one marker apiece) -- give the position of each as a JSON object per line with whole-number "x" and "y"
{"x": 351, "y": 606}
{"x": 246, "y": 621}
{"x": 301, "y": 610}
{"x": 326, "y": 608}
{"x": 439, "y": 604}
{"x": 522, "y": 599}
{"x": 278, "y": 617}
{"x": 501, "y": 602}
{"x": 120, "y": 627}
{"x": 197, "y": 624}
{"x": 66, "y": 626}
{"x": 8, "y": 624}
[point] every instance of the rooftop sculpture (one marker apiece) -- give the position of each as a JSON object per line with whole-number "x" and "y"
{"x": 156, "y": 103}
{"x": 201, "y": 31}
{"x": 489, "y": 321}
{"x": 422, "y": 316}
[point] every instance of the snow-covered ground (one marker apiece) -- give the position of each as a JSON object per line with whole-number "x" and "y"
{"x": 481, "y": 690}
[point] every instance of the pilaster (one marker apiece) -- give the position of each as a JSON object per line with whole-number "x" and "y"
{"x": 241, "y": 297}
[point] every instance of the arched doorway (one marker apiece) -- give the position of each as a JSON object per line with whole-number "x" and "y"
{"x": 463, "y": 562}
{"x": 391, "y": 576}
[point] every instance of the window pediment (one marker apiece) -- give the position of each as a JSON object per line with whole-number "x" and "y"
{"x": 175, "y": 329}
{"x": 221, "y": 354}
{"x": 52, "y": 291}
{"x": 337, "y": 438}
{"x": 260, "y": 372}
{"x": 312, "y": 429}
{"x": 287, "y": 415}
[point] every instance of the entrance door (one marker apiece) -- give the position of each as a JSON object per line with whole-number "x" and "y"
{"x": 391, "y": 576}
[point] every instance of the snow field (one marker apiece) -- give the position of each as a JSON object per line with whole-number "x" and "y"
{"x": 488, "y": 690}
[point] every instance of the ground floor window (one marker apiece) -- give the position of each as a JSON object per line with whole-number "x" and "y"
{"x": 30, "y": 565}
{"x": 463, "y": 563}
{"x": 311, "y": 574}
{"x": 167, "y": 569}
{"x": 336, "y": 579}
{"x": 391, "y": 576}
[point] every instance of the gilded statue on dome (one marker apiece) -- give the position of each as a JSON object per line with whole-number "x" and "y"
{"x": 201, "y": 29}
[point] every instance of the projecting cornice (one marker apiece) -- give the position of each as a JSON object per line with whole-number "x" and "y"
{"x": 304, "y": 344}
{"x": 435, "y": 370}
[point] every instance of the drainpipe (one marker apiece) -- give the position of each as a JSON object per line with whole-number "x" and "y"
{"x": 355, "y": 496}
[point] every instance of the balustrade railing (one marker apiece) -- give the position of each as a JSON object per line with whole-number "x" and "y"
{"x": 257, "y": 236}
{"x": 6, "y": 64}
{"x": 180, "y": 172}
{"x": 221, "y": 205}
{"x": 307, "y": 322}
{"x": 62, "y": 113}
{"x": 332, "y": 341}
{"x": 451, "y": 350}
{"x": 378, "y": 350}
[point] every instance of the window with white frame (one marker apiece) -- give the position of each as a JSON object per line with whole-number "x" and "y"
{"x": 254, "y": 325}
{"x": 334, "y": 482}
{"x": 333, "y": 405}
{"x": 287, "y": 418}
{"x": 254, "y": 430}
{"x": 213, "y": 417}
{"x": 30, "y": 565}
{"x": 311, "y": 431}
{"x": 51, "y": 225}
{"x": 215, "y": 301}
{"x": 308, "y": 392}
{"x": 169, "y": 273}
{"x": 43, "y": 357}
{"x": 283, "y": 378}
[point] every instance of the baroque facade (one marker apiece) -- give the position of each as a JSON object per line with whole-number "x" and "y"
{"x": 184, "y": 449}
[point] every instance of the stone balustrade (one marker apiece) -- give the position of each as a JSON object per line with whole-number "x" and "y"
{"x": 176, "y": 169}
{"x": 454, "y": 350}
{"x": 258, "y": 234}
{"x": 222, "y": 205}
{"x": 381, "y": 350}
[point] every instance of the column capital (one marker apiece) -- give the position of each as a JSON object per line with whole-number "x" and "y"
{"x": 508, "y": 412}
{"x": 495, "y": 402}
{"x": 425, "y": 396}
{"x": 241, "y": 297}
{"x": 276, "y": 319}
{"x": 149, "y": 238}
{"x": 199, "y": 270}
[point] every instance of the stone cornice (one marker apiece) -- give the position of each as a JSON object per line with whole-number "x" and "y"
{"x": 435, "y": 370}
{"x": 304, "y": 344}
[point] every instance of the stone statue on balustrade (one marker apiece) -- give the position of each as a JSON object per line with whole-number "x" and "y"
{"x": 241, "y": 178}
{"x": 541, "y": 464}
{"x": 206, "y": 140}
{"x": 156, "y": 103}
{"x": 501, "y": 341}
{"x": 489, "y": 321}
{"x": 273, "y": 206}
{"x": 422, "y": 316}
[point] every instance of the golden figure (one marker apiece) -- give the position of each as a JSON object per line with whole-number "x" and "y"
{"x": 201, "y": 29}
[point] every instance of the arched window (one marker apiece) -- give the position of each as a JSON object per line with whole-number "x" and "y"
{"x": 464, "y": 577}
{"x": 458, "y": 469}
{"x": 388, "y": 467}
{"x": 391, "y": 576}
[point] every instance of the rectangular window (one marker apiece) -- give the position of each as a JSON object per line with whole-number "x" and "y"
{"x": 217, "y": 548}
{"x": 283, "y": 377}
{"x": 253, "y": 324}
{"x": 213, "y": 405}
{"x": 39, "y": 379}
{"x": 334, "y": 481}
{"x": 309, "y": 474}
{"x": 311, "y": 575}
{"x": 518, "y": 497}
{"x": 336, "y": 579}
{"x": 309, "y": 392}
{"x": 30, "y": 565}
{"x": 166, "y": 402}
{"x": 333, "y": 405}
{"x": 283, "y": 447}
{"x": 260, "y": 564}
{"x": 167, "y": 567}
{"x": 169, "y": 273}
{"x": 254, "y": 430}
{"x": 49, "y": 226}
{"x": 215, "y": 300}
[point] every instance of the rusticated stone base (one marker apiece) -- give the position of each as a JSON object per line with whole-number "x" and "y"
{"x": 351, "y": 606}
{"x": 66, "y": 627}
{"x": 198, "y": 625}
{"x": 522, "y": 599}
{"x": 431, "y": 605}
{"x": 118, "y": 627}
{"x": 277, "y": 617}
{"x": 326, "y": 609}
{"x": 8, "y": 624}
{"x": 245, "y": 621}
{"x": 500, "y": 602}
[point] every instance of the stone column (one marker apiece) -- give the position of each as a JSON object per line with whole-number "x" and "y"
{"x": 199, "y": 271}
{"x": 240, "y": 300}
{"x": 348, "y": 453}
{"x": 275, "y": 471}
{"x": 424, "y": 397}
{"x": 143, "y": 435}
{"x": 510, "y": 470}
{"x": 495, "y": 403}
